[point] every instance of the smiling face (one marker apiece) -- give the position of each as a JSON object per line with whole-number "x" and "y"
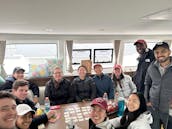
{"x": 162, "y": 54}
{"x": 7, "y": 113}
{"x": 21, "y": 92}
{"x": 140, "y": 47}
{"x": 57, "y": 74}
{"x": 19, "y": 74}
{"x": 82, "y": 72}
{"x": 98, "y": 114}
{"x": 23, "y": 122}
{"x": 133, "y": 103}
{"x": 98, "y": 70}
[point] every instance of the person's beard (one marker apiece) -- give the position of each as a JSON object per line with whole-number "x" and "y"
{"x": 163, "y": 60}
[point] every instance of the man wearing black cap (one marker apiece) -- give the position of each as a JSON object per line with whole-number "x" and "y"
{"x": 158, "y": 86}
{"x": 146, "y": 56}
{"x": 18, "y": 73}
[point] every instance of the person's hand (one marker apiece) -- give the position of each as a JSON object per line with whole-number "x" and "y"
{"x": 35, "y": 99}
{"x": 51, "y": 114}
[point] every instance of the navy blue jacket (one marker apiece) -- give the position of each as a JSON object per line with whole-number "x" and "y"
{"x": 9, "y": 84}
{"x": 144, "y": 62}
{"x": 104, "y": 84}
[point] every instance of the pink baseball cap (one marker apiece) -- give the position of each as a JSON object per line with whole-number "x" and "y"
{"x": 97, "y": 65}
{"x": 117, "y": 66}
{"x": 100, "y": 102}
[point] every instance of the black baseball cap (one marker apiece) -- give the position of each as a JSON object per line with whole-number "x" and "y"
{"x": 17, "y": 69}
{"x": 161, "y": 44}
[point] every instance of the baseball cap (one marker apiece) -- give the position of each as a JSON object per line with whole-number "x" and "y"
{"x": 117, "y": 66}
{"x": 16, "y": 69}
{"x": 161, "y": 44}
{"x": 97, "y": 65}
{"x": 100, "y": 102}
{"x": 22, "y": 109}
{"x": 140, "y": 41}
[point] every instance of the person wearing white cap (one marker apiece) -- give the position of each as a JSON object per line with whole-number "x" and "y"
{"x": 25, "y": 118}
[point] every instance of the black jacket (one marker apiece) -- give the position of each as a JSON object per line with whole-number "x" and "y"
{"x": 9, "y": 84}
{"x": 144, "y": 62}
{"x": 84, "y": 89}
{"x": 60, "y": 94}
{"x": 37, "y": 121}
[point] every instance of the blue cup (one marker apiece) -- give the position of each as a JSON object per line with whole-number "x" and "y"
{"x": 121, "y": 105}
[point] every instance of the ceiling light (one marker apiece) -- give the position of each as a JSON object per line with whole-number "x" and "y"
{"x": 165, "y": 14}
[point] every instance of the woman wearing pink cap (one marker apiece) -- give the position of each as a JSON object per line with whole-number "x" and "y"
{"x": 123, "y": 83}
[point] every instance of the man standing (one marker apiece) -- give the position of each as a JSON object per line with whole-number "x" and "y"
{"x": 8, "y": 112}
{"x": 18, "y": 73}
{"x": 146, "y": 56}
{"x": 158, "y": 86}
{"x": 103, "y": 82}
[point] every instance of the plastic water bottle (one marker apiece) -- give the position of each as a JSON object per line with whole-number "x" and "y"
{"x": 105, "y": 97}
{"x": 71, "y": 124}
{"x": 47, "y": 104}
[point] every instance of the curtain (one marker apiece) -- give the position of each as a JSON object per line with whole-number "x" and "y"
{"x": 69, "y": 45}
{"x": 117, "y": 50}
{"x": 2, "y": 56}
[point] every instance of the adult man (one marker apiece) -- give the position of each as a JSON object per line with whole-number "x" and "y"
{"x": 103, "y": 82}
{"x": 146, "y": 56}
{"x": 158, "y": 86}
{"x": 18, "y": 73}
{"x": 20, "y": 90}
{"x": 8, "y": 112}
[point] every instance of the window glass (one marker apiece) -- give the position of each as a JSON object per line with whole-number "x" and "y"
{"x": 24, "y": 54}
{"x": 131, "y": 55}
{"x": 92, "y": 47}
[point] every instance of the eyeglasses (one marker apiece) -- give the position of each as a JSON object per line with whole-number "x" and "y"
{"x": 7, "y": 108}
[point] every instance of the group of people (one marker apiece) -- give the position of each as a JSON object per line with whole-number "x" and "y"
{"x": 151, "y": 79}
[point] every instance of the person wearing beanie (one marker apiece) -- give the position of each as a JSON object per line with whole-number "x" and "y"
{"x": 146, "y": 56}
{"x": 26, "y": 119}
{"x": 124, "y": 85}
{"x": 158, "y": 86}
{"x": 135, "y": 115}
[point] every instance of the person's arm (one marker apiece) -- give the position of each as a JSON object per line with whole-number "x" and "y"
{"x": 132, "y": 85}
{"x": 111, "y": 89}
{"x": 148, "y": 84}
{"x": 34, "y": 88}
{"x": 6, "y": 86}
{"x": 74, "y": 91}
{"x": 93, "y": 89}
{"x": 47, "y": 90}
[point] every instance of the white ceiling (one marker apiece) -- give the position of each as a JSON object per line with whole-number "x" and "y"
{"x": 83, "y": 17}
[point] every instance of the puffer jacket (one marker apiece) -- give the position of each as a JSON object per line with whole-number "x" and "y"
{"x": 142, "y": 122}
{"x": 84, "y": 89}
{"x": 127, "y": 88}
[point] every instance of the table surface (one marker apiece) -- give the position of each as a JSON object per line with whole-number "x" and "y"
{"x": 78, "y": 112}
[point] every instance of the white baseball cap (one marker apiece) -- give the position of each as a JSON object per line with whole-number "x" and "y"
{"x": 22, "y": 109}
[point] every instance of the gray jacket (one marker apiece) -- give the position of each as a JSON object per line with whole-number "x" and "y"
{"x": 158, "y": 89}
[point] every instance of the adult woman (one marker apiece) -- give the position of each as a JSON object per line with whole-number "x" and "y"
{"x": 25, "y": 118}
{"x": 123, "y": 83}
{"x": 84, "y": 87}
{"x": 135, "y": 115}
{"x": 58, "y": 88}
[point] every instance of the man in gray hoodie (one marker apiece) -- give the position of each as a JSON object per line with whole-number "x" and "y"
{"x": 158, "y": 86}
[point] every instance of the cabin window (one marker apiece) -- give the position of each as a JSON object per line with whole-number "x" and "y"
{"x": 23, "y": 55}
{"x": 93, "y": 51}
